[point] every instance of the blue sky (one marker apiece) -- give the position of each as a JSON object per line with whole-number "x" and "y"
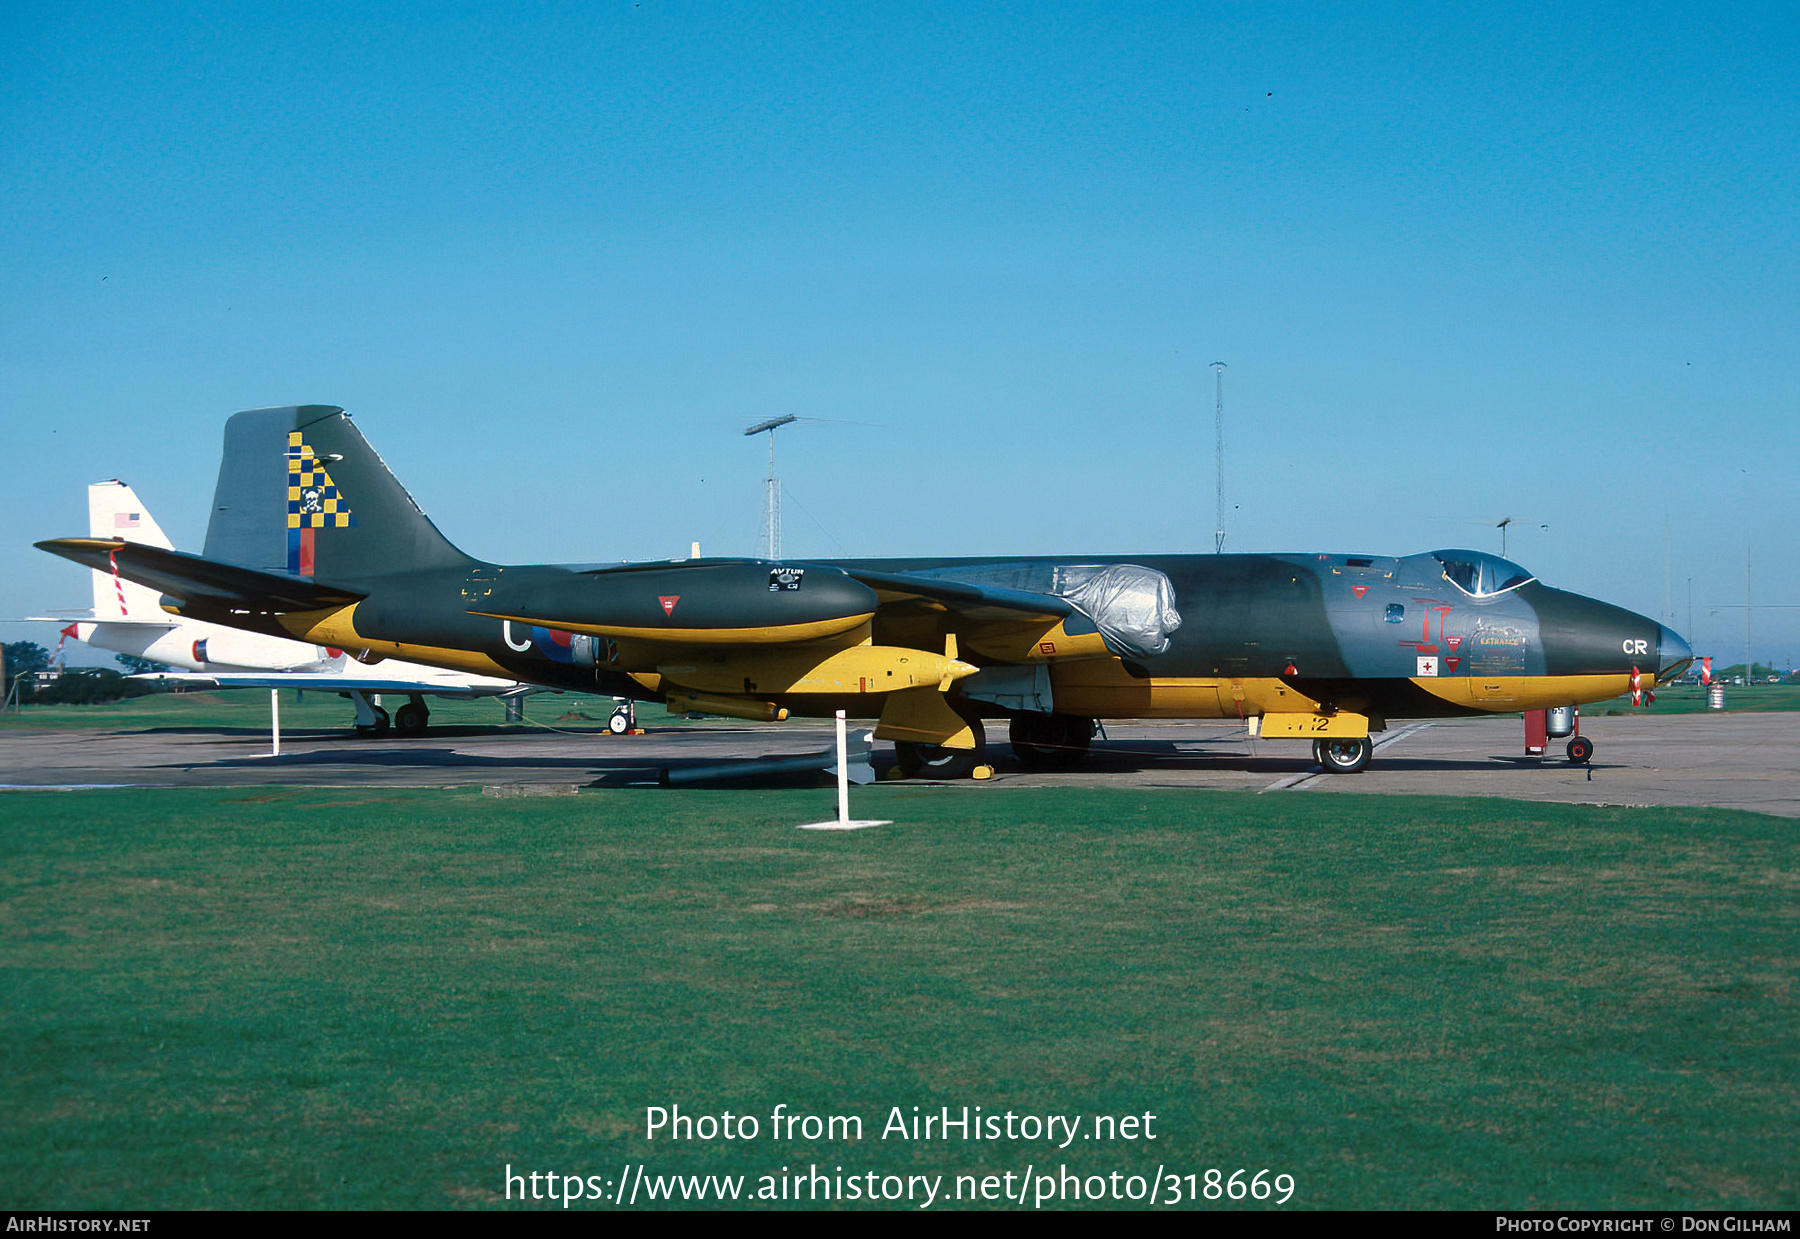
{"x": 1462, "y": 265}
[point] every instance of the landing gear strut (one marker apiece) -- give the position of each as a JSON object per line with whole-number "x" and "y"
{"x": 934, "y": 761}
{"x": 1348, "y": 755}
{"x": 1050, "y": 741}
{"x": 371, "y": 719}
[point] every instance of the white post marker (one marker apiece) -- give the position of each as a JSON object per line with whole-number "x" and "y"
{"x": 274, "y": 722}
{"x": 844, "y": 821}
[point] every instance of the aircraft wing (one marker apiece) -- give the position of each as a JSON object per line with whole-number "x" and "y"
{"x": 190, "y": 576}
{"x": 465, "y": 688}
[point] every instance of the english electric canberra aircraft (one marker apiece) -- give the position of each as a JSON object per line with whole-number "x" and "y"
{"x": 311, "y": 537}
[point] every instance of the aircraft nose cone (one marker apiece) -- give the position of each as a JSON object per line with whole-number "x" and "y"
{"x": 1672, "y": 654}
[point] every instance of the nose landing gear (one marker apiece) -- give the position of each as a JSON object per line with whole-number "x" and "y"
{"x": 1543, "y": 726}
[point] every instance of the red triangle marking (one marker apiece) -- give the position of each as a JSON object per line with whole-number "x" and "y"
{"x": 1453, "y": 642}
{"x": 668, "y": 601}
{"x": 1451, "y": 663}
{"x": 1359, "y": 590}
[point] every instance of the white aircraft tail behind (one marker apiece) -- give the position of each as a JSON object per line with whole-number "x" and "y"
{"x": 114, "y": 511}
{"x": 128, "y": 618}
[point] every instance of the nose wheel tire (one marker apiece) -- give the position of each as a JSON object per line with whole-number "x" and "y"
{"x": 1349, "y": 755}
{"x": 1580, "y": 750}
{"x": 934, "y": 761}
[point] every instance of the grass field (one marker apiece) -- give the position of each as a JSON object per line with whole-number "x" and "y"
{"x": 343, "y": 999}
{"x": 248, "y": 710}
{"x": 1691, "y": 699}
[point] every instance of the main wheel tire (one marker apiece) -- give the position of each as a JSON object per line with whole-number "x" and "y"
{"x": 378, "y": 727}
{"x": 934, "y": 761}
{"x": 1349, "y": 755}
{"x": 1050, "y": 741}
{"x": 1580, "y": 750}
{"x": 412, "y": 718}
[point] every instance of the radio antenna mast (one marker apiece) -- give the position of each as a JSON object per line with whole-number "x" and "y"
{"x": 771, "y": 486}
{"x": 1218, "y": 457}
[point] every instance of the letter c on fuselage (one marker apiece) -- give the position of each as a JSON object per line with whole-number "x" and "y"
{"x": 522, "y": 646}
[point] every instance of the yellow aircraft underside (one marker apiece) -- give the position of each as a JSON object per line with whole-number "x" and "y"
{"x": 1104, "y": 689}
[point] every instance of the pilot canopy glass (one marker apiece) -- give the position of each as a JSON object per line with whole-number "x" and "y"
{"x": 1480, "y": 574}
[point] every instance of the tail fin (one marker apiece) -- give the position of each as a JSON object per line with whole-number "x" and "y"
{"x": 301, "y": 491}
{"x": 115, "y": 512}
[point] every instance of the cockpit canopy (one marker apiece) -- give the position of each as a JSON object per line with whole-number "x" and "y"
{"x": 1480, "y": 574}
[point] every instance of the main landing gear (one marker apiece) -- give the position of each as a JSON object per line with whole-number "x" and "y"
{"x": 1039, "y": 741}
{"x": 934, "y": 761}
{"x": 1344, "y": 755}
{"x": 1580, "y": 750}
{"x": 412, "y": 718}
{"x": 1050, "y": 741}
{"x": 372, "y": 721}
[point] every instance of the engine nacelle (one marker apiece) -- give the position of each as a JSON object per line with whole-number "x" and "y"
{"x": 225, "y": 649}
{"x": 734, "y": 603}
